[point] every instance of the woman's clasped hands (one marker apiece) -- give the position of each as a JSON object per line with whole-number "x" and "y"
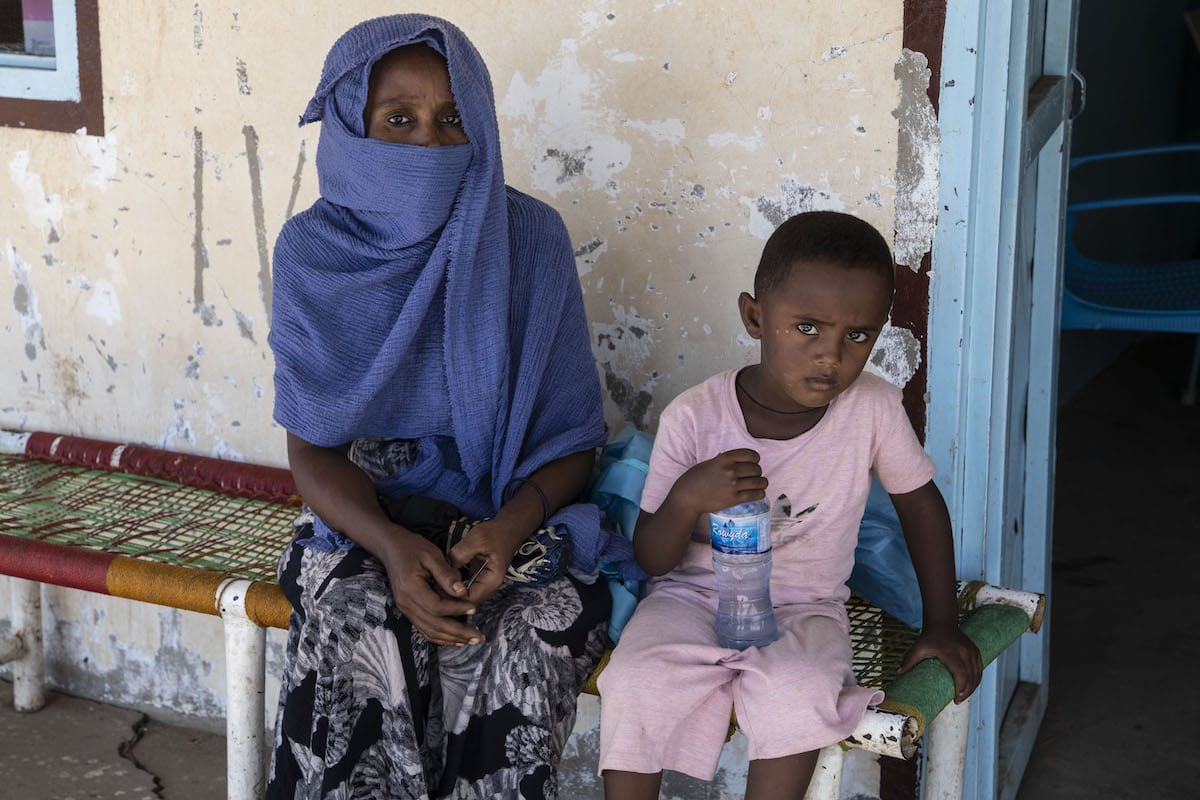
{"x": 439, "y": 592}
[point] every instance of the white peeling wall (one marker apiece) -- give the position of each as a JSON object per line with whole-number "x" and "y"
{"x": 673, "y": 136}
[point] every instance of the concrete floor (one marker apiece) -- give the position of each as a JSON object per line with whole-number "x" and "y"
{"x": 1125, "y": 632}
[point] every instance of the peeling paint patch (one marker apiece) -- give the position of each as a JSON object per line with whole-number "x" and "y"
{"x": 623, "y": 348}
{"x": 25, "y": 301}
{"x": 208, "y": 314}
{"x": 752, "y": 142}
{"x": 587, "y": 255}
{"x": 245, "y": 325}
{"x": 633, "y": 402}
{"x": 837, "y": 51}
{"x": 768, "y": 213}
{"x": 243, "y": 78}
{"x": 223, "y": 451}
{"x": 918, "y": 152}
{"x": 300, "y": 159}
{"x": 101, "y": 155}
{"x": 197, "y": 27}
{"x": 260, "y": 225}
{"x": 897, "y": 355}
{"x": 624, "y": 57}
{"x": 626, "y": 338}
{"x": 39, "y": 207}
{"x": 104, "y": 303}
{"x": 668, "y": 131}
{"x": 179, "y": 429}
{"x": 571, "y": 163}
{"x": 158, "y": 669}
{"x": 572, "y": 95}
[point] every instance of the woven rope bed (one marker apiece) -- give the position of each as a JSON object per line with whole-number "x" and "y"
{"x": 145, "y": 524}
{"x": 173, "y": 529}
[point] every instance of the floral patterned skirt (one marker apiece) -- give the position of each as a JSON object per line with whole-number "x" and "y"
{"x": 369, "y": 709}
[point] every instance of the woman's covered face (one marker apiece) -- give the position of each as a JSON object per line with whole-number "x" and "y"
{"x": 409, "y": 100}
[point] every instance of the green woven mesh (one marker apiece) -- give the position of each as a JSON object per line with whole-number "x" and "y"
{"x": 166, "y": 522}
{"x": 142, "y": 517}
{"x": 880, "y": 642}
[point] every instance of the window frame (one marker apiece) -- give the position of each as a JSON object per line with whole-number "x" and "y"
{"x": 83, "y": 110}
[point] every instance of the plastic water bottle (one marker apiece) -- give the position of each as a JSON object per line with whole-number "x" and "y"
{"x": 741, "y": 543}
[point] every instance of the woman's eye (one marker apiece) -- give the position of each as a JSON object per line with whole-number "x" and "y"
{"x": 859, "y": 337}
{"x": 807, "y": 328}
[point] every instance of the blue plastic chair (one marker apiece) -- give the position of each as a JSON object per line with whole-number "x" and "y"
{"x": 1161, "y": 296}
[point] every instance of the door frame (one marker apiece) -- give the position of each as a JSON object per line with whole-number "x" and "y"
{"x": 990, "y": 137}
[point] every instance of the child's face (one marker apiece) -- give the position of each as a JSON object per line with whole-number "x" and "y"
{"x": 816, "y": 331}
{"x": 409, "y": 100}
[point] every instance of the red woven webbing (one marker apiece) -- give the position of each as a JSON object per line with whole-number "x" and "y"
{"x": 75, "y": 450}
{"x": 234, "y": 478}
{"x": 58, "y": 564}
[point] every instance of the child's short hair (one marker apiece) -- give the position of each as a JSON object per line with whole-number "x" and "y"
{"x": 828, "y": 236}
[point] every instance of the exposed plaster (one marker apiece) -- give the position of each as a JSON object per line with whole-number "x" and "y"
{"x": 197, "y": 28}
{"x": 40, "y": 208}
{"x": 574, "y": 146}
{"x": 245, "y": 325}
{"x": 752, "y": 142}
{"x": 243, "y": 78}
{"x": 25, "y": 301}
{"x": 919, "y": 150}
{"x": 769, "y": 212}
{"x": 100, "y": 154}
{"x": 158, "y": 668}
{"x": 586, "y": 255}
{"x": 897, "y": 355}
{"x": 206, "y": 311}
{"x": 260, "y": 225}
{"x": 623, "y": 348}
{"x": 104, "y": 303}
{"x": 300, "y": 159}
{"x": 178, "y": 430}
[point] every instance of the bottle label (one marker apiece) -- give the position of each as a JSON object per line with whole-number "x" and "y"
{"x": 745, "y": 533}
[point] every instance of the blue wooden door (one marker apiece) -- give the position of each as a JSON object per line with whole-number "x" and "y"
{"x": 1006, "y": 99}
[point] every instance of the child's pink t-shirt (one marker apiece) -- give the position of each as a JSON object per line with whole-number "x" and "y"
{"x": 818, "y": 480}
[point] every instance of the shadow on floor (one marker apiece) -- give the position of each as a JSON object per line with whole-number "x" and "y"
{"x": 1125, "y": 635}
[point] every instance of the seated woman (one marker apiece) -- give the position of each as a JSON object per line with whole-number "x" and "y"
{"x": 432, "y": 358}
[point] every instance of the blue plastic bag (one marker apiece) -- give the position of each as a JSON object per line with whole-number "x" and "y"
{"x": 883, "y": 571}
{"x": 617, "y": 490}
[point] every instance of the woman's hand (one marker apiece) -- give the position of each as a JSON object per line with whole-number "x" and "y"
{"x": 959, "y": 654}
{"x": 428, "y": 590}
{"x": 484, "y": 553}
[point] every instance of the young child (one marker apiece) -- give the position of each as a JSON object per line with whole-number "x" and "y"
{"x": 805, "y": 427}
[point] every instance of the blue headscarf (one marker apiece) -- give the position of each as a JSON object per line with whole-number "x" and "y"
{"x": 419, "y": 298}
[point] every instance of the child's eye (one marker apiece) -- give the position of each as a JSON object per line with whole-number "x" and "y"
{"x": 807, "y": 328}
{"x": 859, "y": 337}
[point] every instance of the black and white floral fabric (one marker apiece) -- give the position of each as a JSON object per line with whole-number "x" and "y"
{"x": 369, "y": 709}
